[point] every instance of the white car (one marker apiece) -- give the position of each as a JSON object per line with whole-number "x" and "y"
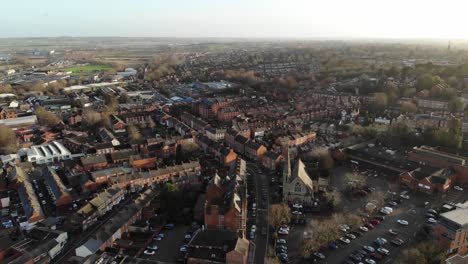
{"x": 297, "y": 213}
{"x": 183, "y": 248}
{"x": 370, "y": 261}
{"x": 405, "y": 196}
{"x": 383, "y": 251}
{"x": 458, "y": 188}
{"x": 386, "y": 210}
{"x": 252, "y": 235}
{"x": 253, "y": 228}
{"x": 432, "y": 220}
{"x": 363, "y": 228}
{"x": 152, "y": 247}
{"x": 402, "y": 222}
{"x": 281, "y": 241}
{"x": 149, "y": 252}
{"x": 283, "y": 232}
{"x": 345, "y": 240}
{"x": 297, "y": 206}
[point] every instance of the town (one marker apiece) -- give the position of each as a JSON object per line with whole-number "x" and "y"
{"x": 268, "y": 152}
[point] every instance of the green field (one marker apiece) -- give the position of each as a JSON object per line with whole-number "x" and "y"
{"x": 86, "y": 70}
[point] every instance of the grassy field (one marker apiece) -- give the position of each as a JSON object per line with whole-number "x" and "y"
{"x": 87, "y": 69}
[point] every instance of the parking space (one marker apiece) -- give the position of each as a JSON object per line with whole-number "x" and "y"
{"x": 168, "y": 247}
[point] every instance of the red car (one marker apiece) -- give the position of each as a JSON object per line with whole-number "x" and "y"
{"x": 375, "y": 222}
{"x": 376, "y": 256}
{"x": 369, "y": 225}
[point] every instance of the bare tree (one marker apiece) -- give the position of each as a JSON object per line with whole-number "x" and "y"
{"x": 279, "y": 214}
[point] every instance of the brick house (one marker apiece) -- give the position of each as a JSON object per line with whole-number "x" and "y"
{"x": 428, "y": 180}
{"x": 271, "y": 160}
{"x": 254, "y": 150}
{"x": 117, "y": 124}
{"x": 94, "y": 162}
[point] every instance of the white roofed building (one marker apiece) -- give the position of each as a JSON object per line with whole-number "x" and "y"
{"x": 42, "y": 154}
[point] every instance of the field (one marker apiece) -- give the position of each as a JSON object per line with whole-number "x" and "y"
{"x": 87, "y": 69}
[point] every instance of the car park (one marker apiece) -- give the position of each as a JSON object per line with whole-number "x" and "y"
{"x": 402, "y": 222}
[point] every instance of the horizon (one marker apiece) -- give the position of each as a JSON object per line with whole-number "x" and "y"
{"x": 260, "y": 19}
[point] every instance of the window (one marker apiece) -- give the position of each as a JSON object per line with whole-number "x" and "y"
{"x": 298, "y": 188}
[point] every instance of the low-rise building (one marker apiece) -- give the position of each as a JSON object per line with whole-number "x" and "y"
{"x": 451, "y": 231}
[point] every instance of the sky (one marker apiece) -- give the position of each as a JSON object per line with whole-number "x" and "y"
{"x": 296, "y": 19}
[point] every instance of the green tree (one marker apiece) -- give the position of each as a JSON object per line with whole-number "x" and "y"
{"x": 425, "y": 82}
{"x": 456, "y": 105}
{"x": 380, "y": 99}
{"x": 171, "y": 187}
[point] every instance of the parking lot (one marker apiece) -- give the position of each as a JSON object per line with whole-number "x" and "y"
{"x": 411, "y": 210}
{"x": 168, "y": 248}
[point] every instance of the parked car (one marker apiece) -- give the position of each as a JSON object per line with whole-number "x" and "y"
{"x": 253, "y": 228}
{"x": 183, "y": 248}
{"x": 363, "y": 228}
{"x": 369, "y": 249}
{"x": 296, "y": 212}
{"x": 355, "y": 257}
{"x": 281, "y": 241}
{"x": 149, "y": 252}
{"x": 252, "y": 235}
{"x": 376, "y": 255}
{"x": 369, "y": 226}
{"x": 405, "y": 196}
{"x": 402, "y": 222}
{"x": 397, "y": 241}
{"x": 380, "y": 218}
{"x": 432, "y": 211}
{"x": 159, "y": 237}
{"x": 356, "y": 233}
{"x": 297, "y": 206}
{"x": 319, "y": 255}
{"x": 375, "y": 222}
{"x": 393, "y": 231}
{"x": 152, "y": 247}
{"x": 350, "y": 236}
{"x": 432, "y": 221}
{"x": 383, "y": 251}
{"x": 458, "y": 188}
{"x": 345, "y": 240}
{"x": 169, "y": 226}
{"x": 333, "y": 246}
{"x": 392, "y": 203}
{"x": 283, "y": 232}
{"x": 386, "y": 210}
{"x": 370, "y": 261}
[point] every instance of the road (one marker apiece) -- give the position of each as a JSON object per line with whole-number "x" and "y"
{"x": 261, "y": 221}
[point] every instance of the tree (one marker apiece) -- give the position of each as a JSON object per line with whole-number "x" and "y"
{"x": 272, "y": 260}
{"x": 380, "y": 99}
{"x": 425, "y": 82}
{"x": 7, "y": 140}
{"x": 5, "y": 88}
{"x": 91, "y": 117}
{"x": 38, "y": 86}
{"x": 377, "y": 198}
{"x": 171, "y": 187}
{"x": 134, "y": 133}
{"x": 409, "y": 107}
{"x": 45, "y": 117}
{"x": 456, "y": 105}
{"x": 279, "y": 214}
{"x": 190, "y": 148}
{"x": 354, "y": 180}
{"x": 428, "y": 252}
{"x": 333, "y": 199}
{"x": 323, "y": 155}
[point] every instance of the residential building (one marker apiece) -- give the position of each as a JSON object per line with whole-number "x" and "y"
{"x": 254, "y": 150}
{"x": 428, "y": 180}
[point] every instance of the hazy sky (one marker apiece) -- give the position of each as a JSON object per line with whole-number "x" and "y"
{"x": 236, "y": 18}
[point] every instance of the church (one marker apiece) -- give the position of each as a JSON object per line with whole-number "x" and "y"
{"x": 298, "y": 186}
